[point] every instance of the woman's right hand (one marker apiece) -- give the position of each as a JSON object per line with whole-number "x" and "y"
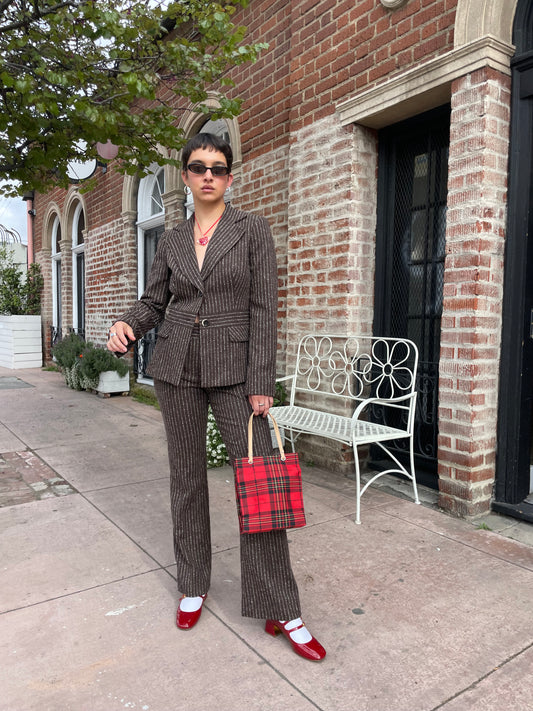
{"x": 120, "y": 334}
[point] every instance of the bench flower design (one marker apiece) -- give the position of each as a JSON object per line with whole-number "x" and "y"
{"x": 353, "y": 370}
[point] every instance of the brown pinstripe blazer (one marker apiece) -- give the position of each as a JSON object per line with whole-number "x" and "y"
{"x": 234, "y": 295}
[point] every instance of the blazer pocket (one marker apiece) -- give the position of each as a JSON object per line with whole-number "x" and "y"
{"x": 239, "y": 333}
{"x": 164, "y": 331}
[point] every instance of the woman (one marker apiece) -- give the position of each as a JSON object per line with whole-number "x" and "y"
{"x": 213, "y": 285}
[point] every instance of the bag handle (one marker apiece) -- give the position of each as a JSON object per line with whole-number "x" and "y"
{"x": 250, "y": 438}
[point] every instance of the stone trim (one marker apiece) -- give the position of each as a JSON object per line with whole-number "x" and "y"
{"x": 425, "y": 87}
{"x": 477, "y": 18}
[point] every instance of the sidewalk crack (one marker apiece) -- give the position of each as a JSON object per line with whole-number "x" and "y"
{"x": 476, "y": 683}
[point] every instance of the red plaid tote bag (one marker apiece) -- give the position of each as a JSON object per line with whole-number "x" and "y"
{"x": 268, "y": 489}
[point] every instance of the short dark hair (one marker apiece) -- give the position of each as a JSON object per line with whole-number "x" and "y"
{"x": 209, "y": 141}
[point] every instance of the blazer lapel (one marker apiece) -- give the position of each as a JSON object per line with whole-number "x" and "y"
{"x": 183, "y": 252}
{"x": 229, "y": 231}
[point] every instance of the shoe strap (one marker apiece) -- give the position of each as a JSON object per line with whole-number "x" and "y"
{"x": 293, "y": 629}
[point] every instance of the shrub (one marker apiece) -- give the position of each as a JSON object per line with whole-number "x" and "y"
{"x": 82, "y": 362}
{"x": 19, "y": 294}
{"x": 217, "y": 455}
{"x": 67, "y": 351}
{"x": 96, "y": 360}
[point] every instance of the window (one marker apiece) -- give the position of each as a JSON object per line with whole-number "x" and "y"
{"x": 56, "y": 278}
{"x": 78, "y": 271}
{"x": 158, "y": 188}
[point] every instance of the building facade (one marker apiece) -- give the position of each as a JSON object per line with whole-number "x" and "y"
{"x": 388, "y": 143}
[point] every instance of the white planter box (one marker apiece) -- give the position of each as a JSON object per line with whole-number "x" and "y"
{"x": 111, "y": 382}
{"x": 20, "y": 342}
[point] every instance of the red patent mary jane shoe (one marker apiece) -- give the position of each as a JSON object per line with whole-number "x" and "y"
{"x": 187, "y": 620}
{"x": 312, "y": 649}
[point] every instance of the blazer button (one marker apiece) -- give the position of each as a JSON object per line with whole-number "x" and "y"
{"x": 204, "y": 322}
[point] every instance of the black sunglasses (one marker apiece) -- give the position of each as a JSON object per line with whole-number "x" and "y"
{"x": 201, "y": 169}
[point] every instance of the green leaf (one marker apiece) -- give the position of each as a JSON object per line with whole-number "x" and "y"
{"x": 92, "y": 70}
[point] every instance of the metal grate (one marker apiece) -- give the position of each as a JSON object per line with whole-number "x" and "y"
{"x": 411, "y": 244}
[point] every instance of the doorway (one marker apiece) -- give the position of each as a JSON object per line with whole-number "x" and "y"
{"x": 410, "y": 253}
{"x": 514, "y": 461}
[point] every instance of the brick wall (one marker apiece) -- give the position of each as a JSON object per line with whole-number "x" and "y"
{"x": 265, "y": 87}
{"x": 321, "y": 51}
{"x": 332, "y": 208}
{"x": 471, "y": 323}
{"x": 110, "y": 276}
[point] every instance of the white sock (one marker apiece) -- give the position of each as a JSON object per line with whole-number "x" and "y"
{"x": 300, "y": 636}
{"x": 191, "y": 604}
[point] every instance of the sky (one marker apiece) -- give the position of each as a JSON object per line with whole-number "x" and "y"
{"x": 13, "y": 215}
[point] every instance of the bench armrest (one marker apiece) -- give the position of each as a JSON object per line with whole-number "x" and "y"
{"x": 285, "y": 377}
{"x": 382, "y": 401}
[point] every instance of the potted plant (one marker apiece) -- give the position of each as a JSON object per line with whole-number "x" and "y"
{"x": 20, "y": 313}
{"x": 102, "y": 371}
{"x": 89, "y": 367}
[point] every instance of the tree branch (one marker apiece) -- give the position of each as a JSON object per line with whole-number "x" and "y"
{"x": 37, "y": 14}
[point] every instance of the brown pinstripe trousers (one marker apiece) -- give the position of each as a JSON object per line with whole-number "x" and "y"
{"x": 269, "y": 589}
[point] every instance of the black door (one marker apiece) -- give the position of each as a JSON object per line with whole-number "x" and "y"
{"x": 514, "y": 482}
{"x": 410, "y": 253}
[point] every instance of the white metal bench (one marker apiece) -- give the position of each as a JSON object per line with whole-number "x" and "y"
{"x": 373, "y": 376}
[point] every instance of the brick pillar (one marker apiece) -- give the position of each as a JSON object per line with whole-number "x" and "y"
{"x": 332, "y": 209}
{"x": 363, "y": 240}
{"x": 44, "y": 259}
{"x": 111, "y": 274}
{"x": 473, "y": 288}
{"x": 66, "y": 279}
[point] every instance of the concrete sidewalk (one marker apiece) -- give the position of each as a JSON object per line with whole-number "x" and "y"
{"x": 418, "y": 611}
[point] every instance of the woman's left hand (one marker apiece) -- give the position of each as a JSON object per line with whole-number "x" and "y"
{"x": 261, "y": 404}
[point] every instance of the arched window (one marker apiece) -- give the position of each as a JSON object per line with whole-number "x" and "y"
{"x": 158, "y": 188}
{"x": 150, "y": 227}
{"x": 56, "y": 278}
{"x": 150, "y": 221}
{"x": 78, "y": 271}
{"x": 218, "y": 127}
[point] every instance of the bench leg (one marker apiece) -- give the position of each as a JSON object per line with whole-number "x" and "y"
{"x": 413, "y": 476}
{"x": 357, "y": 486}
{"x": 291, "y": 437}
{"x": 400, "y": 469}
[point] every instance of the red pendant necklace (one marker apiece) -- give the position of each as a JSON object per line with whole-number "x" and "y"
{"x": 204, "y": 239}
